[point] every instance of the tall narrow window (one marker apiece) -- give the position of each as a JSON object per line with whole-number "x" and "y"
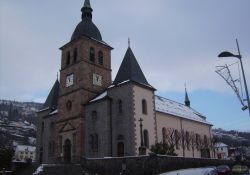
{"x": 42, "y": 127}
{"x": 120, "y": 106}
{"x": 100, "y": 57}
{"x": 60, "y": 144}
{"x": 68, "y": 59}
{"x": 92, "y": 54}
{"x": 177, "y": 139}
{"x": 205, "y": 141}
{"x": 197, "y": 141}
{"x": 96, "y": 142}
{"x": 164, "y": 135}
{"x": 188, "y": 140}
{"x": 146, "y": 138}
{"x": 144, "y": 106}
{"x": 91, "y": 141}
{"x": 75, "y": 55}
{"x": 94, "y": 115}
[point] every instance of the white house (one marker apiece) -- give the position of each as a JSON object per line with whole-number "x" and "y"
{"x": 221, "y": 150}
{"x": 24, "y": 152}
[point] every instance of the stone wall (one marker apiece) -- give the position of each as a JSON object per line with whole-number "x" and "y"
{"x": 147, "y": 165}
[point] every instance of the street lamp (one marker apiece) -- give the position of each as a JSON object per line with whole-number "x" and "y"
{"x": 229, "y": 54}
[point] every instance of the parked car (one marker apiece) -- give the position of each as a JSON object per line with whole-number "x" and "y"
{"x": 244, "y": 169}
{"x": 238, "y": 169}
{"x": 223, "y": 170}
{"x": 193, "y": 171}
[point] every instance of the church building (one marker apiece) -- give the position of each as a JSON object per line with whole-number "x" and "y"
{"x": 87, "y": 114}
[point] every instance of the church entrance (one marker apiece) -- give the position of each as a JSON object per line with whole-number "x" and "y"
{"x": 67, "y": 151}
{"x": 120, "y": 149}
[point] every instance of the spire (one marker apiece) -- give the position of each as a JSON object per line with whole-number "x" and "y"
{"x": 51, "y": 101}
{"x": 187, "y": 102}
{"x": 130, "y": 70}
{"x": 86, "y": 10}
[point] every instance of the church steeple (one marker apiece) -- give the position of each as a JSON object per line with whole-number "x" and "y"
{"x": 130, "y": 69}
{"x": 86, "y": 10}
{"x": 86, "y": 27}
{"x": 187, "y": 102}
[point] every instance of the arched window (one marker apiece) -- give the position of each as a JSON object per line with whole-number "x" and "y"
{"x": 144, "y": 106}
{"x": 94, "y": 142}
{"x": 188, "y": 140}
{"x": 91, "y": 141}
{"x": 197, "y": 141}
{"x": 205, "y": 141}
{"x": 68, "y": 58}
{"x": 75, "y": 55}
{"x": 146, "y": 138}
{"x": 92, "y": 54}
{"x": 42, "y": 127}
{"x": 119, "y": 106}
{"x": 177, "y": 139}
{"x": 100, "y": 57}
{"x": 164, "y": 132}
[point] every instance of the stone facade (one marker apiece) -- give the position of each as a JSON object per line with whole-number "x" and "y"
{"x": 88, "y": 115}
{"x": 45, "y": 149}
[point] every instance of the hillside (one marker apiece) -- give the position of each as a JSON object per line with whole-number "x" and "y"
{"x": 232, "y": 138}
{"x": 18, "y": 122}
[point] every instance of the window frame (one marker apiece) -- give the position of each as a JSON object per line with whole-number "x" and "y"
{"x": 92, "y": 54}
{"x": 144, "y": 107}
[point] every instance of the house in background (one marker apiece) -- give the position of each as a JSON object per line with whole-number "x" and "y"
{"x": 24, "y": 153}
{"x": 221, "y": 150}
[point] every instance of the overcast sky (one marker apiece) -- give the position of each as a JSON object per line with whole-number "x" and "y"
{"x": 174, "y": 41}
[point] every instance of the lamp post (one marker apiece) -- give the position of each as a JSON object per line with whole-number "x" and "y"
{"x": 229, "y": 54}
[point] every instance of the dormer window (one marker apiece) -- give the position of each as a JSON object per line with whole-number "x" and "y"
{"x": 92, "y": 54}
{"x": 100, "y": 57}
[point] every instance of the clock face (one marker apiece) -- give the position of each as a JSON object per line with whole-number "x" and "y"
{"x": 69, "y": 80}
{"x": 97, "y": 80}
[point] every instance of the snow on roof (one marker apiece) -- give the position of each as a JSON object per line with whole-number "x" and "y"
{"x": 25, "y": 148}
{"x": 174, "y": 108}
{"x": 53, "y": 112}
{"x": 101, "y": 96}
{"x": 220, "y": 144}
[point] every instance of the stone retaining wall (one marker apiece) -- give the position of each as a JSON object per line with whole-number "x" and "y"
{"x": 147, "y": 165}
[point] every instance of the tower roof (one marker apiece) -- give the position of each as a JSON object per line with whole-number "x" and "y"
{"x": 51, "y": 101}
{"x": 86, "y": 27}
{"x": 187, "y": 101}
{"x": 130, "y": 70}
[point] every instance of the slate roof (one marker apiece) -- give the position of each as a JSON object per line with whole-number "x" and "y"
{"x": 177, "y": 109}
{"x": 130, "y": 70}
{"x": 51, "y": 101}
{"x": 220, "y": 144}
{"x": 86, "y": 27}
{"x": 170, "y": 107}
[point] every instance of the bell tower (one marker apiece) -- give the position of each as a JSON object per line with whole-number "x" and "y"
{"x": 85, "y": 73}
